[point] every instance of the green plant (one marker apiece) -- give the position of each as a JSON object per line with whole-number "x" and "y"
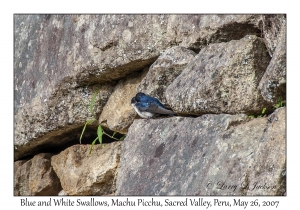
{"x": 100, "y": 131}
{"x": 280, "y": 103}
{"x": 260, "y": 115}
{"x": 251, "y": 116}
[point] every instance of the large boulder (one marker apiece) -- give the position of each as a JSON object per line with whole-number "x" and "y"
{"x": 269, "y": 162}
{"x": 36, "y": 177}
{"x": 222, "y": 78}
{"x": 273, "y": 83}
{"x": 57, "y": 123}
{"x": 164, "y": 71}
{"x": 77, "y": 50}
{"x": 208, "y": 155}
{"x": 272, "y": 26}
{"x": 81, "y": 173}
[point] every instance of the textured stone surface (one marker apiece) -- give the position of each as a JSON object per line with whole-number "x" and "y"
{"x": 21, "y": 177}
{"x": 84, "y": 49}
{"x": 118, "y": 114}
{"x": 59, "y": 59}
{"x": 35, "y": 177}
{"x": 222, "y": 78}
{"x": 52, "y": 123}
{"x": 272, "y": 25}
{"x": 197, "y": 31}
{"x": 84, "y": 174}
{"x": 208, "y": 155}
{"x": 269, "y": 168}
{"x": 76, "y": 49}
{"x": 164, "y": 70}
{"x": 273, "y": 83}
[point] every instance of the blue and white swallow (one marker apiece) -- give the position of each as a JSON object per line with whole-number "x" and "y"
{"x": 147, "y": 106}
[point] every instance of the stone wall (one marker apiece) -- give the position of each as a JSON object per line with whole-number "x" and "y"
{"x": 214, "y": 71}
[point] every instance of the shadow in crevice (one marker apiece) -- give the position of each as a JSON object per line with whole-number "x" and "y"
{"x": 229, "y": 32}
{"x": 235, "y": 31}
{"x": 58, "y": 143}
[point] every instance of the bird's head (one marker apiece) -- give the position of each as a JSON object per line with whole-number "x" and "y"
{"x": 139, "y": 95}
{"x": 133, "y": 100}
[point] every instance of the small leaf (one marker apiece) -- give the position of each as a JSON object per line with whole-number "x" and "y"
{"x": 93, "y": 101}
{"x": 93, "y": 145}
{"x": 263, "y": 111}
{"x": 114, "y": 134}
{"x": 86, "y": 123}
{"x": 280, "y": 103}
{"x": 100, "y": 133}
{"x": 122, "y": 138}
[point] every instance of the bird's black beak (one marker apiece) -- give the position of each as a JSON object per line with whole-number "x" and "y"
{"x": 133, "y": 100}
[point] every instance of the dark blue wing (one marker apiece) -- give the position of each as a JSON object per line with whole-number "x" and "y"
{"x": 153, "y": 108}
{"x": 142, "y": 106}
{"x": 148, "y": 99}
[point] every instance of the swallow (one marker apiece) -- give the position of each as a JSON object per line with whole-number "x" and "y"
{"x": 147, "y": 106}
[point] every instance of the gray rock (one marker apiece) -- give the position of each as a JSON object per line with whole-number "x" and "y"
{"x": 208, "y": 155}
{"x": 164, "y": 70}
{"x": 118, "y": 114}
{"x": 83, "y": 49}
{"x": 269, "y": 161}
{"x": 272, "y": 25}
{"x": 45, "y": 125}
{"x": 222, "y": 78}
{"x": 21, "y": 177}
{"x": 273, "y": 83}
{"x": 60, "y": 59}
{"x": 35, "y": 177}
{"x": 84, "y": 174}
{"x": 53, "y": 50}
{"x": 198, "y": 31}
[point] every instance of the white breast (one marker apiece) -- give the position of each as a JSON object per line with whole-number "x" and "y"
{"x": 143, "y": 114}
